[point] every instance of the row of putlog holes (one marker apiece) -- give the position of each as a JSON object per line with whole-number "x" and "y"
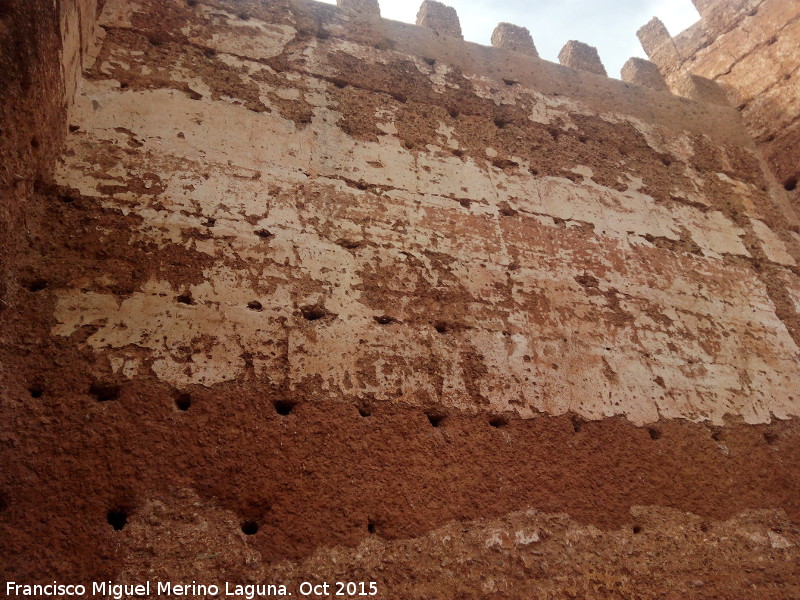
{"x": 108, "y": 392}
{"x": 117, "y": 517}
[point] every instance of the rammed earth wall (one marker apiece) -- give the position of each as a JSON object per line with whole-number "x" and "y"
{"x": 313, "y": 296}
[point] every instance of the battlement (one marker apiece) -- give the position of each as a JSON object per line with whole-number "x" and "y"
{"x": 444, "y": 22}
{"x": 513, "y": 57}
{"x": 439, "y": 18}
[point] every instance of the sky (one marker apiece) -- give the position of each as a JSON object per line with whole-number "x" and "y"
{"x": 610, "y": 25}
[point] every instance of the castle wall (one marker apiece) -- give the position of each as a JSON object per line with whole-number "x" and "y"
{"x": 447, "y": 316}
{"x": 491, "y": 245}
{"x": 43, "y": 48}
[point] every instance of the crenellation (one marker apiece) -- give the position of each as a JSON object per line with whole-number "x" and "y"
{"x": 362, "y": 8}
{"x": 583, "y": 57}
{"x": 515, "y": 38}
{"x": 440, "y": 18}
{"x": 658, "y": 45}
{"x": 639, "y": 71}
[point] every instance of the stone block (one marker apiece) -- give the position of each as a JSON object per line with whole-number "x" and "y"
{"x": 584, "y": 57}
{"x": 639, "y": 71}
{"x": 659, "y": 46}
{"x": 442, "y": 19}
{"x": 361, "y": 8}
{"x": 513, "y": 37}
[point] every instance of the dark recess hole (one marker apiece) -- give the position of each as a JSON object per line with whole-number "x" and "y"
{"x": 244, "y": 16}
{"x": 385, "y": 320}
{"x": 185, "y": 299}
{"x": 510, "y": 81}
{"x": 340, "y": 83}
{"x": 498, "y": 422}
{"x": 716, "y": 435}
{"x": 770, "y": 437}
{"x": 454, "y": 113}
{"x": 654, "y": 433}
{"x": 587, "y": 281}
{"x": 577, "y": 423}
{"x": 249, "y": 528}
{"x": 364, "y": 411}
{"x": 67, "y": 199}
{"x": 73, "y": 128}
{"x": 183, "y": 402}
{"x": 501, "y": 123}
{"x": 457, "y": 152}
{"x": 209, "y": 222}
{"x": 507, "y": 211}
{"x": 284, "y": 407}
{"x": 371, "y": 526}
{"x": 350, "y": 244}
{"x": 3, "y": 504}
{"x": 637, "y": 529}
{"x": 704, "y": 527}
{"x": 37, "y": 285}
{"x": 399, "y": 97}
{"x": 323, "y": 35}
{"x": 34, "y": 143}
{"x": 440, "y": 326}
{"x": 313, "y": 313}
{"x": 263, "y": 233}
{"x": 191, "y": 2}
{"x": 504, "y": 163}
{"x": 790, "y": 184}
{"x": 123, "y": 85}
{"x": 772, "y": 40}
{"x": 104, "y": 392}
{"x": 435, "y": 419}
{"x": 465, "y": 203}
{"x": 255, "y": 305}
{"x": 430, "y": 61}
{"x": 36, "y": 391}
{"x": 117, "y": 518}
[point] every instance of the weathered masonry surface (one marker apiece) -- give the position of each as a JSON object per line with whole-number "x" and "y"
{"x": 749, "y": 48}
{"x": 294, "y": 291}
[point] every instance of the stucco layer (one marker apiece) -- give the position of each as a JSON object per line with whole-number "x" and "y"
{"x": 467, "y": 244}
